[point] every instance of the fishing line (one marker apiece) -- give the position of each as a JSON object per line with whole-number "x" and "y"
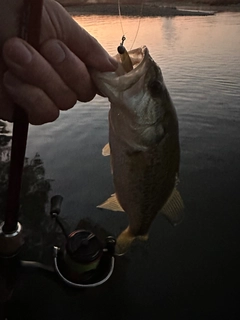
{"x": 121, "y": 22}
{"x": 139, "y": 22}
{"x": 120, "y": 17}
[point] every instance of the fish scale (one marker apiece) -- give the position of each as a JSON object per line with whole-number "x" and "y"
{"x": 144, "y": 145}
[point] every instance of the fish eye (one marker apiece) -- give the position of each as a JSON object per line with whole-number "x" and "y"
{"x": 155, "y": 86}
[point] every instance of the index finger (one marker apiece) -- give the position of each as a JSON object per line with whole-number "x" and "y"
{"x": 78, "y": 40}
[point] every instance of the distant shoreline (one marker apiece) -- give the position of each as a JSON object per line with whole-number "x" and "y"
{"x": 150, "y": 9}
{"x": 134, "y": 10}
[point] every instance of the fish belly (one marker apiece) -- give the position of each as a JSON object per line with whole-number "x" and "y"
{"x": 143, "y": 181}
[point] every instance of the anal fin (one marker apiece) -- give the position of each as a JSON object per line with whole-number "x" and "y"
{"x": 111, "y": 204}
{"x": 174, "y": 208}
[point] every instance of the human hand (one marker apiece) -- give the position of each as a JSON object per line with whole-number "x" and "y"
{"x": 45, "y": 82}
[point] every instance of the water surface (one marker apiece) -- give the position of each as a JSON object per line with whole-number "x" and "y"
{"x": 190, "y": 271}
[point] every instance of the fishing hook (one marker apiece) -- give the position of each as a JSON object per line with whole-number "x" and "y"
{"x": 123, "y": 39}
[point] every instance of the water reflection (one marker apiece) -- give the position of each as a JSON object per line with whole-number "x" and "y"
{"x": 196, "y": 266}
{"x": 38, "y": 229}
{"x": 5, "y": 148}
{"x": 169, "y": 31}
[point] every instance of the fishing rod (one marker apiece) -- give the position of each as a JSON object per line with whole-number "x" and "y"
{"x": 11, "y": 239}
{"x": 11, "y": 228}
{"x": 85, "y": 261}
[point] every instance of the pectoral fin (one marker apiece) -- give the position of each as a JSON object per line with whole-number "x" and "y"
{"x": 174, "y": 208}
{"x": 111, "y": 204}
{"x": 106, "y": 150}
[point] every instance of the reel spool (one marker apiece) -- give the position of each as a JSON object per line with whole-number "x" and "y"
{"x": 84, "y": 261}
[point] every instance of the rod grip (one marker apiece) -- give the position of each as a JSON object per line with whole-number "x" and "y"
{"x": 29, "y": 31}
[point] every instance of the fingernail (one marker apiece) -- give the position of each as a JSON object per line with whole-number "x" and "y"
{"x": 53, "y": 52}
{"x": 18, "y": 53}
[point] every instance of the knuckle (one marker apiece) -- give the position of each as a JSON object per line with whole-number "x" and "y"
{"x": 53, "y": 51}
{"x": 35, "y": 97}
{"x": 40, "y": 108}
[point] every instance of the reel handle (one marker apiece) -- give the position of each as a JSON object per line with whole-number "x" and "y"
{"x": 56, "y": 204}
{"x": 55, "y": 209}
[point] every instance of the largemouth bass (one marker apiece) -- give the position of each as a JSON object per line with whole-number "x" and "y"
{"x": 144, "y": 145}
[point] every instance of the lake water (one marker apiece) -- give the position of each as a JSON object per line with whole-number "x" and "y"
{"x": 190, "y": 271}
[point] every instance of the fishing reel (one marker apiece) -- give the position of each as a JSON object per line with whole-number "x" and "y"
{"x": 85, "y": 261}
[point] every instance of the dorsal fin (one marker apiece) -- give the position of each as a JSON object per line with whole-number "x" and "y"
{"x": 106, "y": 150}
{"x": 174, "y": 208}
{"x": 111, "y": 204}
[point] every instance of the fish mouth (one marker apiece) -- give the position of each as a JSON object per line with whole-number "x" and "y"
{"x": 138, "y": 56}
{"x": 113, "y": 84}
{"x": 141, "y": 61}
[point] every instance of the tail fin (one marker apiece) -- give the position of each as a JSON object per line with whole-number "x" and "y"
{"x": 125, "y": 239}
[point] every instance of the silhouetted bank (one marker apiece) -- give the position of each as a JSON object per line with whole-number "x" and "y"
{"x": 161, "y": 2}
{"x": 134, "y": 10}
